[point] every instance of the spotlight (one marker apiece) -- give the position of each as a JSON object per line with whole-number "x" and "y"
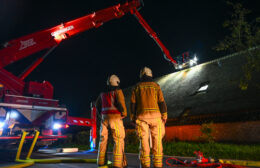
{"x": 195, "y": 59}
{"x": 191, "y": 62}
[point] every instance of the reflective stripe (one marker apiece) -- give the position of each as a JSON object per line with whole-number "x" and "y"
{"x": 157, "y": 161}
{"x": 150, "y": 109}
{"x": 148, "y": 86}
{"x": 118, "y": 150}
{"x": 145, "y": 159}
{"x": 101, "y": 162}
{"x": 117, "y": 135}
{"x": 140, "y": 135}
{"x": 108, "y": 108}
{"x": 159, "y": 135}
{"x": 117, "y": 160}
{"x": 158, "y": 155}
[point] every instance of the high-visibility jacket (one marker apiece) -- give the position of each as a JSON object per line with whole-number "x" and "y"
{"x": 108, "y": 103}
{"x": 147, "y": 97}
{"x": 112, "y": 103}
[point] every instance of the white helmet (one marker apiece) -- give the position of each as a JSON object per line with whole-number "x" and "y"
{"x": 113, "y": 80}
{"x": 146, "y": 71}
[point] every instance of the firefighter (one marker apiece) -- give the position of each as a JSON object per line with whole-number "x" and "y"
{"x": 148, "y": 112}
{"x": 111, "y": 105}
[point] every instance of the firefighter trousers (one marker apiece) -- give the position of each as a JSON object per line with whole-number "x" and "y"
{"x": 118, "y": 132}
{"x": 156, "y": 127}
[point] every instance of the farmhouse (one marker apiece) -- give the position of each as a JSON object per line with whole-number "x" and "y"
{"x": 210, "y": 93}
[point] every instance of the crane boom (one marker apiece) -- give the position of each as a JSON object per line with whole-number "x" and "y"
{"x": 153, "y": 35}
{"x": 33, "y": 101}
{"x": 22, "y": 47}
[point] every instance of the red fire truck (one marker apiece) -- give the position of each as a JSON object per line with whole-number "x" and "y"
{"x": 29, "y": 106}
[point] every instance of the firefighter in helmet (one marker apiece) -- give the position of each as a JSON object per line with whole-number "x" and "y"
{"x": 148, "y": 111}
{"x": 111, "y": 106}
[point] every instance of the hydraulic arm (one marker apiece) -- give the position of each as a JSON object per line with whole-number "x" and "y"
{"x": 153, "y": 35}
{"x": 33, "y": 101}
{"x": 22, "y": 47}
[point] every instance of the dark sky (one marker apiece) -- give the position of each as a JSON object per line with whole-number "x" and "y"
{"x": 79, "y": 67}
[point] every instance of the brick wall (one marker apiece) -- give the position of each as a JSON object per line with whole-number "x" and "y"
{"x": 235, "y": 132}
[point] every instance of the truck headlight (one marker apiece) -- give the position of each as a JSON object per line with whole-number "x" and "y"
{"x": 14, "y": 114}
{"x": 57, "y": 126}
{"x": 2, "y": 124}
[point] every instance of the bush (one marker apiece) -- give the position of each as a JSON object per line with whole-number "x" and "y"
{"x": 69, "y": 139}
{"x": 131, "y": 138}
{"x": 131, "y": 142}
{"x": 207, "y": 131}
{"x": 82, "y": 138}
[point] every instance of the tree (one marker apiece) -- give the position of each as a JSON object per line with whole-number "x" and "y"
{"x": 244, "y": 38}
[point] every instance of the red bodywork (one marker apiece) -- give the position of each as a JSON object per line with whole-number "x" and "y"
{"x": 35, "y": 96}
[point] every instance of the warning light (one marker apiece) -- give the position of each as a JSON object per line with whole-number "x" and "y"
{"x": 61, "y": 33}
{"x": 60, "y": 37}
{"x": 67, "y": 126}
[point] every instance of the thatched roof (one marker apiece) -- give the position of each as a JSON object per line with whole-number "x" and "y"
{"x": 222, "y": 101}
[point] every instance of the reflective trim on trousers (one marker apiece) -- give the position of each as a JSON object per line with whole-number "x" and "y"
{"x": 159, "y": 135}
{"x": 101, "y": 158}
{"x": 118, "y": 141}
{"x": 157, "y": 158}
{"x": 145, "y": 159}
{"x": 117, "y": 155}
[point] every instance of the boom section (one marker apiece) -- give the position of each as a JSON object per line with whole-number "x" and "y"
{"x": 25, "y": 46}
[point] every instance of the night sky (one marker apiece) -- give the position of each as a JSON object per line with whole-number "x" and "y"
{"x": 79, "y": 67}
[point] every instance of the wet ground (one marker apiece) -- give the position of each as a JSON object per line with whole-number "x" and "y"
{"x": 8, "y": 156}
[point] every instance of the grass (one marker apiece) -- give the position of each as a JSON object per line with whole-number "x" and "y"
{"x": 214, "y": 150}
{"x": 175, "y": 148}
